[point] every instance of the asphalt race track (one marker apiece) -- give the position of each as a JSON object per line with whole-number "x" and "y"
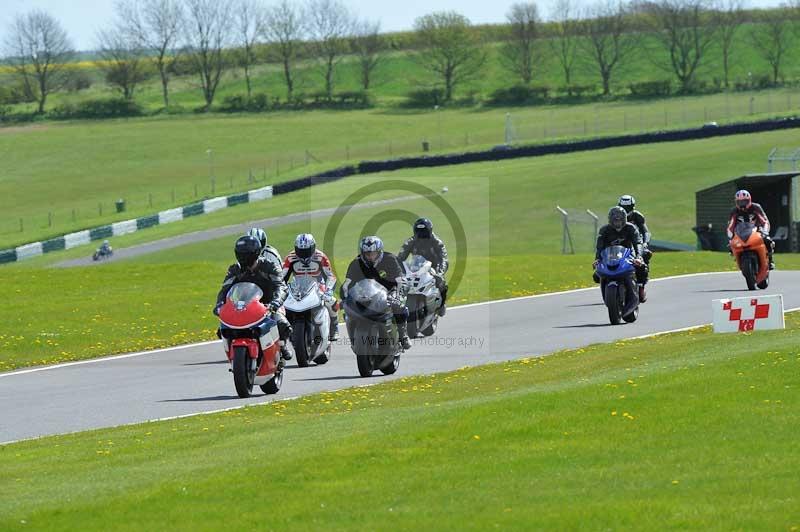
{"x": 187, "y": 380}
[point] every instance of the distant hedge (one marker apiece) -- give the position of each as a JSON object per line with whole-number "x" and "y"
{"x": 105, "y": 108}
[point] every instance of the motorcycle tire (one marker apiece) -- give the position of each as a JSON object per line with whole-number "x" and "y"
{"x": 392, "y": 366}
{"x": 364, "y": 363}
{"x": 749, "y": 270}
{"x": 273, "y": 385}
{"x": 612, "y": 303}
{"x": 242, "y": 376}
{"x": 299, "y": 342}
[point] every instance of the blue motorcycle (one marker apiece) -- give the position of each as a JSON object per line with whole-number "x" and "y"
{"x": 618, "y": 282}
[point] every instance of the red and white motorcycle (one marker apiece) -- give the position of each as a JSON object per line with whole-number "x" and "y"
{"x": 250, "y": 338}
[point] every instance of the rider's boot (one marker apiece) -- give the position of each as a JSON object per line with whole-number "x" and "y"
{"x": 402, "y": 332}
{"x": 286, "y": 350}
{"x": 642, "y": 294}
{"x": 334, "y": 334}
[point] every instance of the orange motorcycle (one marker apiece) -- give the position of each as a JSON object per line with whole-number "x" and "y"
{"x": 750, "y": 252}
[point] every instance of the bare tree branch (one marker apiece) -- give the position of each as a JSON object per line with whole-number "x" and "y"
{"x": 38, "y": 48}
{"x": 251, "y": 21}
{"x": 730, "y": 17}
{"x": 449, "y": 48}
{"x": 209, "y": 23}
{"x": 685, "y": 29}
{"x": 368, "y": 45}
{"x": 285, "y": 30}
{"x": 772, "y": 37}
{"x": 519, "y": 53}
{"x": 123, "y": 60}
{"x": 331, "y": 24}
{"x": 608, "y": 38}
{"x": 158, "y": 24}
{"x": 564, "y": 40}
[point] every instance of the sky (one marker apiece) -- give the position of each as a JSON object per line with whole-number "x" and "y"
{"x": 83, "y": 18}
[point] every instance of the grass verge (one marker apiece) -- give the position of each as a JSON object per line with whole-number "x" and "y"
{"x": 688, "y": 430}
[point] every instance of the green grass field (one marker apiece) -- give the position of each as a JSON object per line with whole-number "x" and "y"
{"x": 61, "y": 177}
{"x": 508, "y": 212}
{"x": 682, "y": 431}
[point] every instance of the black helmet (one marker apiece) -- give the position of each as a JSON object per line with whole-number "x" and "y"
{"x": 259, "y": 235}
{"x": 423, "y": 228}
{"x": 304, "y": 247}
{"x": 247, "y": 250}
{"x": 627, "y": 202}
{"x": 373, "y": 246}
{"x": 617, "y": 218}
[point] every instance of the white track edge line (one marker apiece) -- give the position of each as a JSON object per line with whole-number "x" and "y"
{"x": 209, "y": 342}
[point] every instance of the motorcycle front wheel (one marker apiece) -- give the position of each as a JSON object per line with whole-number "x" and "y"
{"x": 612, "y": 303}
{"x": 242, "y": 375}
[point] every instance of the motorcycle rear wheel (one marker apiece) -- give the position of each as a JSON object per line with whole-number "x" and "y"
{"x": 242, "y": 376}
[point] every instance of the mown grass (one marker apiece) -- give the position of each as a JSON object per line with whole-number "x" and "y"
{"x": 690, "y": 430}
{"x": 60, "y": 177}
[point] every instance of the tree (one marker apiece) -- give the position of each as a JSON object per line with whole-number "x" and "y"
{"x": 449, "y": 48}
{"x": 122, "y": 60}
{"x": 519, "y": 53}
{"x": 330, "y": 25}
{"x": 685, "y": 30}
{"x": 38, "y": 49}
{"x": 284, "y": 31}
{"x": 209, "y": 23}
{"x": 158, "y": 26}
{"x": 250, "y": 20}
{"x": 368, "y": 45}
{"x": 564, "y": 38}
{"x": 730, "y": 17}
{"x": 772, "y": 38}
{"x": 608, "y": 38}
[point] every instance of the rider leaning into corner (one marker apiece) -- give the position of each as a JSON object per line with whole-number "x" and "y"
{"x": 620, "y": 232}
{"x": 373, "y": 263}
{"x": 264, "y": 271}
{"x": 306, "y": 259}
{"x": 424, "y": 242}
{"x": 748, "y": 212}
{"x": 105, "y": 248}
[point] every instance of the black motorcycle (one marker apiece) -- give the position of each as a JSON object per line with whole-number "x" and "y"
{"x": 373, "y": 334}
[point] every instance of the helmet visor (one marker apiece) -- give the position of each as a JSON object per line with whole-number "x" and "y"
{"x": 371, "y": 256}
{"x": 246, "y": 260}
{"x": 742, "y": 203}
{"x": 304, "y": 253}
{"x": 617, "y": 222}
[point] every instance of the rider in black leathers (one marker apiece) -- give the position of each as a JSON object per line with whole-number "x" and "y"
{"x": 620, "y": 232}
{"x": 264, "y": 271}
{"x": 427, "y": 244}
{"x": 373, "y": 263}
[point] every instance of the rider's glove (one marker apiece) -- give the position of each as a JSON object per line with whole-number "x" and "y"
{"x": 216, "y": 309}
{"x": 596, "y": 263}
{"x": 273, "y": 307}
{"x": 638, "y": 261}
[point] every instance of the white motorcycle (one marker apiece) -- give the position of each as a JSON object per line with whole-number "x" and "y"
{"x": 424, "y": 298}
{"x": 306, "y": 311}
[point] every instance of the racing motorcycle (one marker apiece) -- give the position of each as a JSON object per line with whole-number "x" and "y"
{"x": 373, "y": 335}
{"x": 101, "y": 254}
{"x": 251, "y": 342}
{"x": 750, "y": 253}
{"x": 618, "y": 282}
{"x": 306, "y": 310}
{"x": 424, "y": 298}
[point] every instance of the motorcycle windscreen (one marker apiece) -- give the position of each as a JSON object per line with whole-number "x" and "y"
{"x": 743, "y": 230}
{"x": 301, "y": 286}
{"x": 415, "y": 263}
{"x": 370, "y": 295}
{"x": 243, "y": 293}
{"x": 612, "y": 255}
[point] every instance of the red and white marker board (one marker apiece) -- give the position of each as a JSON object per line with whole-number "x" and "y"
{"x": 744, "y": 314}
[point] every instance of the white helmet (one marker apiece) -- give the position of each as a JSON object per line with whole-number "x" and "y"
{"x": 305, "y": 246}
{"x": 260, "y": 235}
